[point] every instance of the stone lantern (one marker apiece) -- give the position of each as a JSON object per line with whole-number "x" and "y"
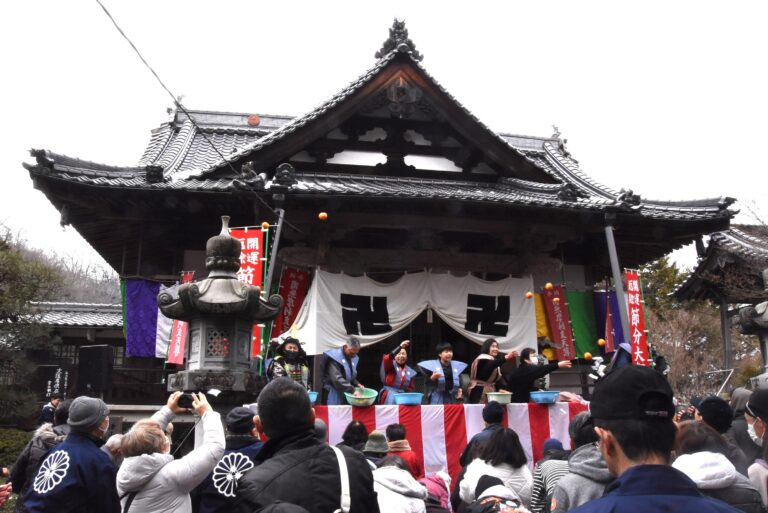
{"x": 221, "y": 312}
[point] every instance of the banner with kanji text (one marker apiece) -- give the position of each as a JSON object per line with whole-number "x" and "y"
{"x": 637, "y": 334}
{"x": 177, "y": 347}
{"x": 251, "y": 268}
{"x": 559, "y": 322}
{"x": 293, "y": 289}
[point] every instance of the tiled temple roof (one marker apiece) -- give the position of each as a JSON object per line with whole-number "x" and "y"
{"x": 180, "y": 157}
{"x": 81, "y": 315}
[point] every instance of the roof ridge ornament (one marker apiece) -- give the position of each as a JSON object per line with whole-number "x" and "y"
{"x": 398, "y": 40}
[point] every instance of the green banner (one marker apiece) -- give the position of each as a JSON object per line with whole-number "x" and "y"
{"x": 582, "y": 311}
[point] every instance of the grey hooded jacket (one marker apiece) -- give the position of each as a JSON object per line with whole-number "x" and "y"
{"x": 163, "y": 483}
{"x": 586, "y": 480}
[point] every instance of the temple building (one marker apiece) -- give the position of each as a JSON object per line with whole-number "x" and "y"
{"x": 407, "y": 179}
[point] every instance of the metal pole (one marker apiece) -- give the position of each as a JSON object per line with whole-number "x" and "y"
{"x": 725, "y": 327}
{"x": 617, "y": 281}
{"x": 273, "y": 253}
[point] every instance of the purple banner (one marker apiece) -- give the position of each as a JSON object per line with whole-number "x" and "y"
{"x": 141, "y": 317}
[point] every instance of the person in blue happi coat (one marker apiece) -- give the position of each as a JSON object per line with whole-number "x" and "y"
{"x": 444, "y": 374}
{"x": 340, "y": 371}
{"x": 76, "y": 476}
{"x": 218, "y": 493}
{"x": 396, "y": 376}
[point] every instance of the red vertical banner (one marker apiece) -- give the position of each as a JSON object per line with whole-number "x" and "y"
{"x": 637, "y": 334}
{"x": 177, "y": 347}
{"x": 251, "y": 271}
{"x": 559, "y": 322}
{"x": 610, "y": 337}
{"x": 293, "y": 288}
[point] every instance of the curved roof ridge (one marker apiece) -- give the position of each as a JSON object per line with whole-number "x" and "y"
{"x": 177, "y": 149}
{"x": 297, "y": 122}
{"x": 571, "y": 173}
{"x": 158, "y": 141}
{"x": 48, "y": 159}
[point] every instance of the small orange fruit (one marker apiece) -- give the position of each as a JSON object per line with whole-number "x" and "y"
{"x": 601, "y": 342}
{"x": 587, "y": 356}
{"x": 528, "y": 295}
{"x": 549, "y": 286}
{"x": 265, "y": 225}
{"x": 555, "y": 299}
{"x": 322, "y": 216}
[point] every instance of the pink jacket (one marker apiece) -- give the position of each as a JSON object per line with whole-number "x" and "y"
{"x": 437, "y": 486}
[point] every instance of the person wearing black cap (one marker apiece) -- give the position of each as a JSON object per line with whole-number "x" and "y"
{"x": 76, "y": 476}
{"x": 757, "y": 420}
{"x": 217, "y": 493}
{"x": 444, "y": 375}
{"x": 717, "y": 414}
{"x": 493, "y": 415}
{"x": 290, "y": 361}
{"x": 294, "y": 466}
{"x": 633, "y": 411}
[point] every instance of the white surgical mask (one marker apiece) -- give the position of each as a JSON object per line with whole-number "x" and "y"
{"x": 753, "y": 435}
{"x": 533, "y": 360}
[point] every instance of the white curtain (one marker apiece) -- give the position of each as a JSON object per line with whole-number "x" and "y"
{"x": 338, "y": 307}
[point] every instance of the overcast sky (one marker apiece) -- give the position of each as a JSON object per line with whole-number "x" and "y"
{"x": 667, "y": 98}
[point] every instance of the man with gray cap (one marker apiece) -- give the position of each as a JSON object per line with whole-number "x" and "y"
{"x": 76, "y": 476}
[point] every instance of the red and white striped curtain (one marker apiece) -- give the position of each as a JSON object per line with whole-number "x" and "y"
{"x": 440, "y": 433}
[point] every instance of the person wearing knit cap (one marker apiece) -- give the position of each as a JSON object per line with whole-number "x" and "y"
{"x": 756, "y": 414}
{"x": 493, "y": 416}
{"x": 376, "y": 448}
{"x": 217, "y": 494}
{"x": 76, "y": 476}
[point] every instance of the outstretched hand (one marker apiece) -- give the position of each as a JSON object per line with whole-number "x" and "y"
{"x": 435, "y": 376}
{"x": 405, "y": 343}
{"x": 511, "y": 355}
{"x": 173, "y": 403}
{"x": 200, "y": 403}
{"x": 565, "y": 364}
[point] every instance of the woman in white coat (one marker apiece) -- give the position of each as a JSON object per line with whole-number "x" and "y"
{"x": 501, "y": 457}
{"x": 397, "y": 490}
{"x": 150, "y": 477}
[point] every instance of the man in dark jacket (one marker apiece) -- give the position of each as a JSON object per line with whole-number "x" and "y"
{"x": 738, "y": 433}
{"x": 46, "y": 437}
{"x": 718, "y": 415}
{"x": 217, "y": 493}
{"x": 493, "y": 415}
{"x": 294, "y": 466}
{"x": 46, "y": 414}
{"x": 76, "y": 476}
{"x": 632, "y": 410}
{"x": 521, "y": 380}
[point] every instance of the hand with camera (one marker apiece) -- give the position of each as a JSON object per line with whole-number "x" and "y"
{"x": 200, "y": 403}
{"x": 173, "y": 403}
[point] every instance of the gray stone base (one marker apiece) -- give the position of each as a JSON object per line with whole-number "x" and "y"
{"x": 203, "y": 380}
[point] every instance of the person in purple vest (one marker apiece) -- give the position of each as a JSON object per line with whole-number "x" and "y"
{"x": 444, "y": 374}
{"x": 340, "y": 371}
{"x": 395, "y": 375}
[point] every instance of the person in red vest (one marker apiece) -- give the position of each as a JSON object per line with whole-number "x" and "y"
{"x": 396, "y": 376}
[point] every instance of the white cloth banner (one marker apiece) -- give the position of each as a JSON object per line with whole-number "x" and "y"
{"x": 338, "y": 307}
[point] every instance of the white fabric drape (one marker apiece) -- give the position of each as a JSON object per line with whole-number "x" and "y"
{"x": 320, "y": 322}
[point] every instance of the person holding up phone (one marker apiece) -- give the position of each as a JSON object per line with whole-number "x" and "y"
{"x": 150, "y": 479}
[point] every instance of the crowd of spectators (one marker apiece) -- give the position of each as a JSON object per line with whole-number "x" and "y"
{"x": 629, "y": 452}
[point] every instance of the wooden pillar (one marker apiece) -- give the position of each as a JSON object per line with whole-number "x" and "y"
{"x": 725, "y": 327}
